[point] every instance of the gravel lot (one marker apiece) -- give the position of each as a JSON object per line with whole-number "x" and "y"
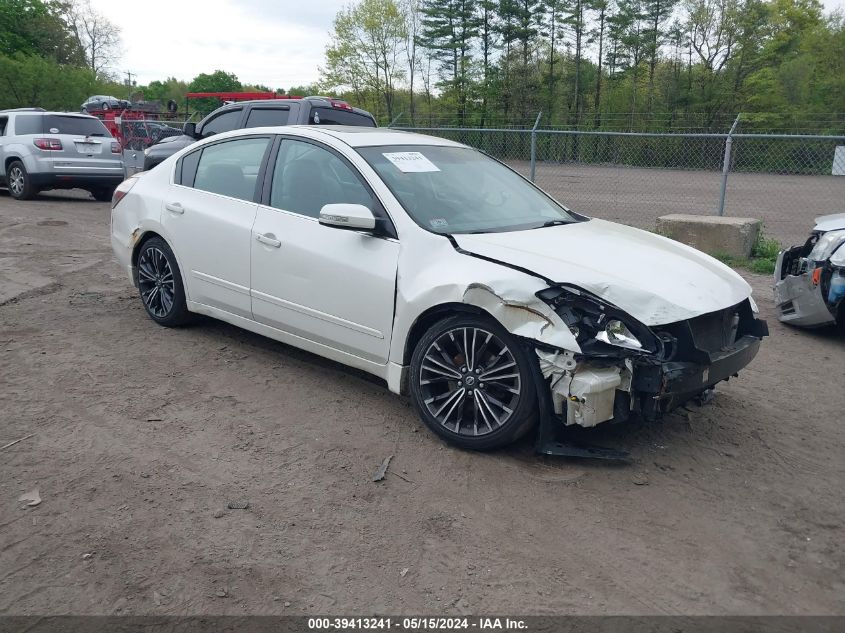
{"x": 786, "y": 204}
{"x": 141, "y": 435}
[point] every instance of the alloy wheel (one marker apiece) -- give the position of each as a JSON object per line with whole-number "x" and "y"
{"x": 470, "y": 381}
{"x": 16, "y": 180}
{"x": 155, "y": 281}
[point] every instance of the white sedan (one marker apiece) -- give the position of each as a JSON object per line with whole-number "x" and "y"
{"x": 436, "y": 268}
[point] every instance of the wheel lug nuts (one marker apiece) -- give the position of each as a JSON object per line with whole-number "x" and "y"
{"x": 481, "y": 385}
{"x": 463, "y": 370}
{"x": 478, "y": 371}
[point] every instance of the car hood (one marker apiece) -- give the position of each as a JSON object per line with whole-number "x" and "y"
{"x": 830, "y": 222}
{"x": 166, "y": 145}
{"x": 654, "y": 279}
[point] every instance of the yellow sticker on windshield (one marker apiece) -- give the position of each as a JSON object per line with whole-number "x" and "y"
{"x": 410, "y": 162}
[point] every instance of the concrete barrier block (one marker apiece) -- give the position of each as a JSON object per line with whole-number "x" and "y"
{"x": 712, "y": 234}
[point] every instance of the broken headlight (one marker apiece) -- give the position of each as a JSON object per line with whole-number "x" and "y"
{"x": 617, "y": 333}
{"x": 599, "y": 327}
{"x": 827, "y": 244}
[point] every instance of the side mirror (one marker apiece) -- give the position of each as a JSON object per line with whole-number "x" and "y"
{"x": 190, "y": 129}
{"x": 348, "y": 216}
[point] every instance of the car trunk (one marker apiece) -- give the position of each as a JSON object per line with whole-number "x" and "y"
{"x": 86, "y": 145}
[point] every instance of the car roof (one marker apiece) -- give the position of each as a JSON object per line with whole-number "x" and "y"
{"x": 283, "y": 103}
{"x": 48, "y": 113}
{"x": 355, "y": 136}
{"x": 348, "y": 134}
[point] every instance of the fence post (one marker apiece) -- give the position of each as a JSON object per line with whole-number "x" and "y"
{"x": 726, "y": 166}
{"x": 534, "y": 145}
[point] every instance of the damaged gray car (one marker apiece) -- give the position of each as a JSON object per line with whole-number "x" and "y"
{"x": 810, "y": 279}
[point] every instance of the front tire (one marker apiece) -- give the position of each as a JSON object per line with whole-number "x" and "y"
{"x": 160, "y": 285}
{"x": 471, "y": 383}
{"x": 19, "y": 183}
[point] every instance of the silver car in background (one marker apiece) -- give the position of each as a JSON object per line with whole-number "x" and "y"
{"x": 57, "y": 150}
{"x": 810, "y": 279}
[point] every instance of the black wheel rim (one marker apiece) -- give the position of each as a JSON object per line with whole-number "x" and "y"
{"x": 470, "y": 381}
{"x": 155, "y": 281}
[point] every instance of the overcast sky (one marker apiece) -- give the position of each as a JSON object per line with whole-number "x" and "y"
{"x": 278, "y": 43}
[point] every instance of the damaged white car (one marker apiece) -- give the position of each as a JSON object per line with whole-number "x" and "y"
{"x": 810, "y": 279}
{"x": 437, "y": 268}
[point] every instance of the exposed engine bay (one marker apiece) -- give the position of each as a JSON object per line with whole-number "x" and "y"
{"x": 625, "y": 367}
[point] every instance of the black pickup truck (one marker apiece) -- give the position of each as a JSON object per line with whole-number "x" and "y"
{"x": 269, "y": 112}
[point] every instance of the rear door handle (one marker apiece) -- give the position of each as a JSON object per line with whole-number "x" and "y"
{"x": 268, "y": 239}
{"x": 175, "y": 207}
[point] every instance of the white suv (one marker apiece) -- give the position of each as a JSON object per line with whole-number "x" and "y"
{"x": 57, "y": 150}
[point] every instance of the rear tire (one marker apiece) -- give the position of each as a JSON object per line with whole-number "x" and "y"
{"x": 103, "y": 194}
{"x": 159, "y": 282}
{"x": 472, "y": 384}
{"x": 19, "y": 183}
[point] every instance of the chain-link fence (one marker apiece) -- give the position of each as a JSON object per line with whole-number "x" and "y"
{"x": 139, "y": 134}
{"x": 633, "y": 178}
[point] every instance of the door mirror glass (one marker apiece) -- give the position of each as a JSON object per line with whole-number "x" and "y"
{"x": 348, "y": 216}
{"x": 190, "y": 129}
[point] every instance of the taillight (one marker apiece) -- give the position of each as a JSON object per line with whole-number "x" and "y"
{"x": 115, "y": 147}
{"x": 48, "y": 143}
{"x": 342, "y": 105}
{"x": 122, "y": 189}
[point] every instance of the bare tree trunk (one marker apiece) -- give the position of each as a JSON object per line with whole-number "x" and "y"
{"x": 652, "y": 63}
{"x": 579, "y": 32}
{"x": 597, "y": 119}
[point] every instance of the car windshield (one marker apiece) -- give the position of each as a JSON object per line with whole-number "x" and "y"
{"x": 460, "y": 190}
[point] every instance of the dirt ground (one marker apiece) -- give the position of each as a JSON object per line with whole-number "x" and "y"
{"x": 141, "y": 435}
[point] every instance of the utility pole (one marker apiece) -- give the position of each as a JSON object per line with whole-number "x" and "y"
{"x": 129, "y": 84}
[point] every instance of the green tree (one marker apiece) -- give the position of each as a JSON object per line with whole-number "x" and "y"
{"x": 34, "y": 27}
{"x": 597, "y": 35}
{"x": 218, "y": 81}
{"x": 449, "y": 28}
{"x": 655, "y": 14}
{"x": 367, "y": 51}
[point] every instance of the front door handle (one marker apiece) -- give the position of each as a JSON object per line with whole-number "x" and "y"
{"x": 268, "y": 239}
{"x": 175, "y": 207}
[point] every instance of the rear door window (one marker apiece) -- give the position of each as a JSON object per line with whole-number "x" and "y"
{"x": 261, "y": 117}
{"x": 75, "y": 125}
{"x": 187, "y": 169}
{"x": 336, "y": 116}
{"x": 231, "y": 168}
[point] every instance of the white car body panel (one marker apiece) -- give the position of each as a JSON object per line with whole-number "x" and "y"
{"x": 325, "y": 284}
{"x": 213, "y": 236}
{"x": 653, "y": 278}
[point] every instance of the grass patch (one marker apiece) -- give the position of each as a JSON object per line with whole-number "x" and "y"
{"x": 763, "y": 258}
